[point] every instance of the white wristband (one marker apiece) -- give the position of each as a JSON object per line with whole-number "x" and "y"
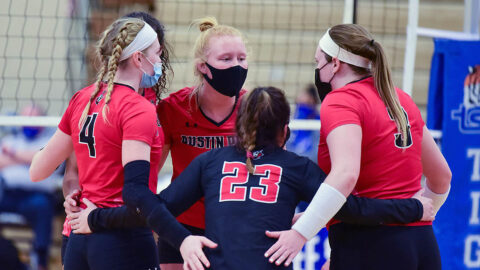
{"x": 438, "y": 199}
{"x": 324, "y": 205}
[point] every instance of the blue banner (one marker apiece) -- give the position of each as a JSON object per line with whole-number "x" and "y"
{"x": 454, "y": 108}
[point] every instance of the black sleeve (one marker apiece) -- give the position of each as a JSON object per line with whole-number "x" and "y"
{"x": 187, "y": 188}
{"x": 138, "y": 197}
{"x": 114, "y": 218}
{"x": 312, "y": 178}
{"x": 367, "y": 211}
{"x": 364, "y": 211}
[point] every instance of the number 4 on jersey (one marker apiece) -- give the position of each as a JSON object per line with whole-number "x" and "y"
{"x": 231, "y": 189}
{"x": 87, "y": 134}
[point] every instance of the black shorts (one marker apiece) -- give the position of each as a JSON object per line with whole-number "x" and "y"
{"x": 123, "y": 249}
{"x": 64, "y": 247}
{"x": 169, "y": 254}
{"x": 383, "y": 247}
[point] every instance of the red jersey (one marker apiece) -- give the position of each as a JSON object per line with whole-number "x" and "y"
{"x": 387, "y": 170}
{"x": 150, "y": 95}
{"x": 98, "y": 144}
{"x": 189, "y": 132}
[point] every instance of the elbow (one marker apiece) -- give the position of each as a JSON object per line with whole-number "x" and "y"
{"x": 35, "y": 175}
{"x": 344, "y": 180}
{"x": 350, "y": 181}
{"x": 132, "y": 195}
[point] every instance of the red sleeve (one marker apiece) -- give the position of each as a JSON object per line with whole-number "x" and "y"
{"x": 65, "y": 122}
{"x": 162, "y": 111}
{"x": 139, "y": 122}
{"x": 340, "y": 108}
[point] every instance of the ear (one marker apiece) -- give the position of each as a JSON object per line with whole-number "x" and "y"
{"x": 136, "y": 59}
{"x": 202, "y": 67}
{"x": 336, "y": 64}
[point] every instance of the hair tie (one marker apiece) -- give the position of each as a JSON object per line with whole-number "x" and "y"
{"x": 249, "y": 154}
{"x": 371, "y": 42}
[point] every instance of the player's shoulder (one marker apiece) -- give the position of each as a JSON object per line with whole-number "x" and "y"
{"x": 224, "y": 153}
{"x": 179, "y": 97}
{"x": 83, "y": 93}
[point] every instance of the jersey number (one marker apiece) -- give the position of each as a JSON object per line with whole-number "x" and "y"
{"x": 86, "y": 135}
{"x": 398, "y": 136}
{"x": 231, "y": 188}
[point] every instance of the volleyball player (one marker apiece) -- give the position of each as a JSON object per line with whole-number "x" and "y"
{"x": 200, "y": 118}
{"x": 374, "y": 142}
{"x": 254, "y": 186}
{"x": 113, "y": 131}
{"x": 71, "y": 189}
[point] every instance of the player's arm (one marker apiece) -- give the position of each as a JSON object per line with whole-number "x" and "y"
{"x": 165, "y": 151}
{"x": 70, "y": 186}
{"x": 137, "y": 195}
{"x": 436, "y": 171}
{"x": 365, "y": 211}
{"x": 114, "y": 218}
{"x": 187, "y": 188}
{"x": 46, "y": 161}
{"x": 179, "y": 196}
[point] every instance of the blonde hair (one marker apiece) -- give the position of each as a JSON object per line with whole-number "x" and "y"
{"x": 358, "y": 40}
{"x": 209, "y": 28}
{"x": 109, "y": 49}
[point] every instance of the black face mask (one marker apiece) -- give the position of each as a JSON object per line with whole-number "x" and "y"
{"x": 323, "y": 88}
{"x": 227, "y": 81}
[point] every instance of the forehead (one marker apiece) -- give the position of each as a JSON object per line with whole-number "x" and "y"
{"x": 319, "y": 53}
{"x": 225, "y": 44}
{"x": 155, "y": 46}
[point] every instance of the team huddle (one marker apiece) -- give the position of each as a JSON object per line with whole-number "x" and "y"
{"x": 234, "y": 190}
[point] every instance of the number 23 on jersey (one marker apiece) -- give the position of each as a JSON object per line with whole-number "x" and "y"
{"x": 232, "y": 186}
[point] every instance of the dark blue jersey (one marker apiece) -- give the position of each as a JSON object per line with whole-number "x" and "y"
{"x": 240, "y": 206}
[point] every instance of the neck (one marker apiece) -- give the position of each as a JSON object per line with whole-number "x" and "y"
{"x": 128, "y": 78}
{"x": 215, "y": 105}
{"x": 343, "y": 78}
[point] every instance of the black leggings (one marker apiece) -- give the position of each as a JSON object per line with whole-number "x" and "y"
{"x": 114, "y": 249}
{"x": 383, "y": 247}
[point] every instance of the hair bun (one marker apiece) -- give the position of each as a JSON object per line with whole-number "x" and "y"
{"x": 206, "y": 23}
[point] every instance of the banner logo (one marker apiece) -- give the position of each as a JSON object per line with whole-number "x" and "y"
{"x": 468, "y": 113}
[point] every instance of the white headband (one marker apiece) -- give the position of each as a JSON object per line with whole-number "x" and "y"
{"x": 331, "y": 48}
{"x": 144, "y": 38}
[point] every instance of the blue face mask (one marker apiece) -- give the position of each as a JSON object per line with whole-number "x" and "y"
{"x": 150, "y": 80}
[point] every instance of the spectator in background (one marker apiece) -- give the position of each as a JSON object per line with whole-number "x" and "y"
{"x": 305, "y": 142}
{"x": 34, "y": 201}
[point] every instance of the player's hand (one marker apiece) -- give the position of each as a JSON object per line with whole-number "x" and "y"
{"x": 326, "y": 265}
{"x": 71, "y": 203}
{"x": 79, "y": 220}
{"x": 286, "y": 248}
{"x": 192, "y": 253}
{"x": 296, "y": 217}
{"x": 427, "y": 203}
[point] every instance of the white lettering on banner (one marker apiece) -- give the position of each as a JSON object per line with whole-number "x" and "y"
{"x": 311, "y": 256}
{"x": 308, "y": 256}
{"x": 475, "y": 195}
{"x": 472, "y": 242}
{"x": 475, "y": 153}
